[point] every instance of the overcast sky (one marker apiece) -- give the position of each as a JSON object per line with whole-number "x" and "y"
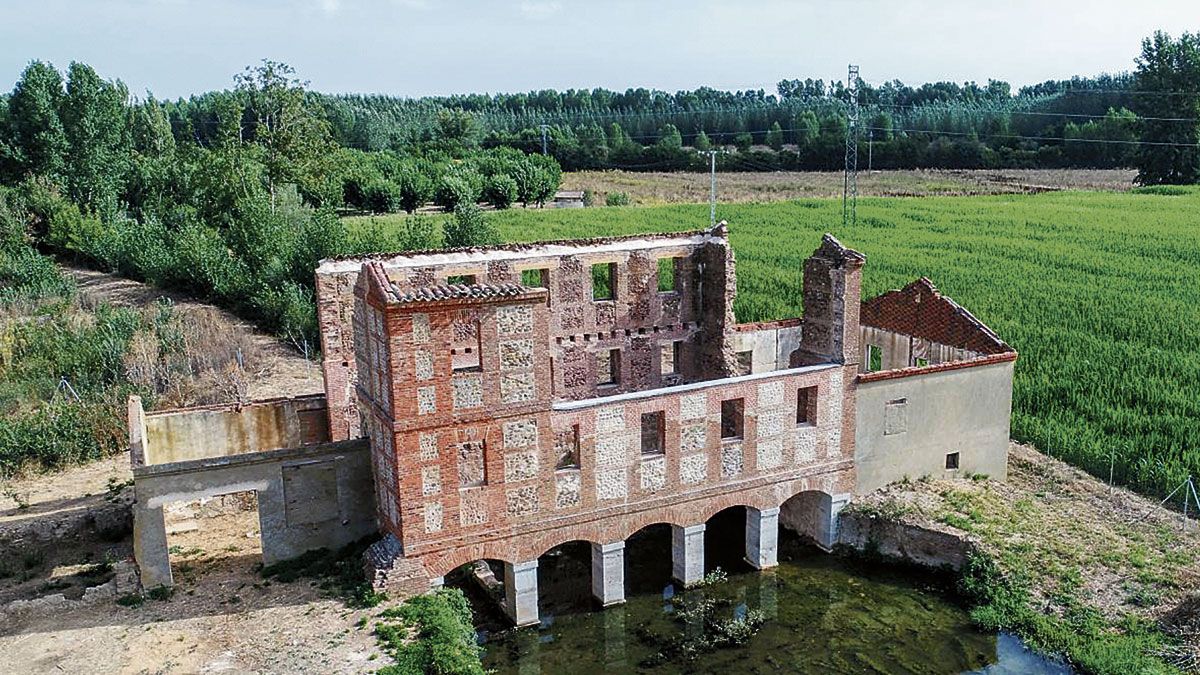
{"x": 416, "y": 47}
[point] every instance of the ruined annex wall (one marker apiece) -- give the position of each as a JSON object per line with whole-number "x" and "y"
{"x": 225, "y": 430}
{"x": 527, "y": 504}
{"x": 898, "y": 350}
{"x": 907, "y": 425}
{"x": 640, "y": 321}
{"x": 313, "y": 497}
{"x": 766, "y": 346}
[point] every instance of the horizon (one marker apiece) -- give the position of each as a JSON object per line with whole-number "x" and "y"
{"x": 180, "y": 48}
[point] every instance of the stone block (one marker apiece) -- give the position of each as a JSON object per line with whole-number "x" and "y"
{"x": 468, "y": 392}
{"x": 516, "y": 354}
{"x": 693, "y": 468}
{"x": 514, "y": 319}
{"x": 772, "y": 422}
{"x": 770, "y": 394}
{"x": 421, "y": 332}
{"x": 612, "y": 450}
{"x": 423, "y": 367}
{"x": 693, "y": 438}
{"x": 522, "y": 501}
{"x": 566, "y": 489}
{"x": 611, "y": 484}
{"x": 770, "y": 454}
{"x": 610, "y": 419}
{"x": 431, "y": 480}
{"x": 731, "y": 460}
{"x": 806, "y": 445}
{"x": 426, "y": 400}
{"x": 653, "y": 473}
{"x": 429, "y": 447}
{"x": 517, "y": 387}
{"x": 472, "y": 508}
{"x": 693, "y": 406}
{"x": 433, "y": 517}
{"x": 520, "y": 434}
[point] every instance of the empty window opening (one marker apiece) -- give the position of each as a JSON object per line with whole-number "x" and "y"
{"x": 460, "y": 280}
{"x": 733, "y": 418}
{"x": 604, "y": 281}
{"x": 466, "y": 353}
{"x": 225, "y": 528}
{"x": 667, "y": 278}
{"x": 471, "y": 469}
{"x": 952, "y": 461}
{"x": 536, "y": 278}
{"x": 653, "y": 433}
{"x": 806, "y": 405}
{"x": 874, "y": 358}
{"x": 566, "y": 447}
{"x": 608, "y": 367}
{"x": 745, "y": 362}
{"x": 671, "y": 357}
{"x": 920, "y": 362}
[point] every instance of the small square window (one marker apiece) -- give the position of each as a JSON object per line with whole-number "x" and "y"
{"x": 667, "y": 281}
{"x": 566, "y": 446}
{"x": 604, "y": 281}
{"x": 733, "y": 418}
{"x": 806, "y": 405}
{"x": 745, "y": 362}
{"x": 536, "y": 278}
{"x": 920, "y": 363}
{"x": 653, "y": 433}
{"x": 460, "y": 280}
{"x": 608, "y": 367}
{"x": 952, "y": 461}
{"x": 874, "y": 358}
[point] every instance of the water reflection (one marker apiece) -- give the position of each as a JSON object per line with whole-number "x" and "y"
{"x": 822, "y": 615}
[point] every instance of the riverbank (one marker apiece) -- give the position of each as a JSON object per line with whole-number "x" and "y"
{"x": 1056, "y": 557}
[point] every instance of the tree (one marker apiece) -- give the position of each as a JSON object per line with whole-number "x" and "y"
{"x": 94, "y": 118}
{"x": 500, "y": 191}
{"x": 294, "y": 136}
{"x": 702, "y": 142}
{"x": 39, "y": 144}
{"x": 775, "y": 137}
{"x": 1170, "y": 69}
{"x": 469, "y": 227}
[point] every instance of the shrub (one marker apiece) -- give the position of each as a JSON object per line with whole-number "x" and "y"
{"x": 470, "y": 227}
{"x": 452, "y": 191}
{"x": 616, "y": 199}
{"x": 500, "y": 191}
{"x": 383, "y": 196}
{"x": 415, "y": 188}
{"x": 445, "y": 641}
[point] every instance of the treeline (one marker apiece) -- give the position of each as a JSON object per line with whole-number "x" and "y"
{"x": 241, "y": 215}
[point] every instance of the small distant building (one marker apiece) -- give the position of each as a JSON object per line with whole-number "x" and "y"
{"x": 569, "y": 199}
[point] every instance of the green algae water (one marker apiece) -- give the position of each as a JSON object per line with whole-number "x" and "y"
{"x": 819, "y": 614}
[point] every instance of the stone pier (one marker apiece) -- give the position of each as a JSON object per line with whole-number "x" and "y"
{"x": 608, "y": 573}
{"x": 687, "y": 553}
{"x": 762, "y": 537}
{"x": 521, "y": 592}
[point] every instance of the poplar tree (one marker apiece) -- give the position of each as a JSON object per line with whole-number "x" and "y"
{"x": 38, "y": 145}
{"x": 1168, "y": 82}
{"x": 94, "y": 122}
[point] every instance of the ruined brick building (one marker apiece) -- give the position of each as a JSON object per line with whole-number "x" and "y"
{"x": 511, "y": 399}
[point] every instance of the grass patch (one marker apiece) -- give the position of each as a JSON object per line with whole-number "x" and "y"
{"x": 337, "y": 571}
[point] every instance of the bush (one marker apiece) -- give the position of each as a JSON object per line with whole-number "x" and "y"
{"x": 470, "y": 227}
{"x": 616, "y": 199}
{"x": 452, "y": 191}
{"x": 445, "y": 641}
{"x": 500, "y": 191}
{"x": 415, "y": 188}
{"x": 383, "y": 196}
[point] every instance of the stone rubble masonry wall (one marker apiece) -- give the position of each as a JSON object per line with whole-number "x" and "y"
{"x": 639, "y": 322}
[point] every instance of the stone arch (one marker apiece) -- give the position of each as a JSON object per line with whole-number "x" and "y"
{"x": 812, "y": 514}
{"x": 443, "y": 562}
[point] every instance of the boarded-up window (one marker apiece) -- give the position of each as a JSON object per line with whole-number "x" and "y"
{"x": 471, "y": 471}
{"x": 895, "y": 417}
{"x": 310, "y": 493}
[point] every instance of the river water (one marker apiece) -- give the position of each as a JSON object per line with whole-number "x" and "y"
{"x": 820, "y": 614}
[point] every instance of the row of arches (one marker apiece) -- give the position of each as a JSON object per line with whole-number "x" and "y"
{"x": 650, "y": 554}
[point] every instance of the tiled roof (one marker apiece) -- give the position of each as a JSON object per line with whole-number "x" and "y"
{"x": 920, "y": 310}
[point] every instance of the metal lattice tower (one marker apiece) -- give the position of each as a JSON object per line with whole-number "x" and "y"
{"x": 850, "y": 185}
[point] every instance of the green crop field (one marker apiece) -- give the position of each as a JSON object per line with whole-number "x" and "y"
{"x": 1099, "y": 292}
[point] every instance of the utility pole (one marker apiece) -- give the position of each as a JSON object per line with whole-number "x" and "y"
{"x": 712, "y": 192}
{"x": 850, "y": 183}
{"x": 545, "y": 128}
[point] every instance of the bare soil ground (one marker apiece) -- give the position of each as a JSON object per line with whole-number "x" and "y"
{"x": 661, "y": 187}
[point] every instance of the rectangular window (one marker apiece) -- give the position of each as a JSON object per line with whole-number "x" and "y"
{"x": 874, "y": 358}
{"x": 608, "y": 367}
{"x": 733, "y": 417}
{"x": 667, "y": 282}
{"x": 920, "y": 363}
{"x": 466, "y": 353}
{"x": 671, "y": 352}
{"x": 537, "y": 278}
{"x": 745, "y": 362}
{"x": 566, "y": 446}
{"x": 653, "y": 433}
{"x": 604, "y": 281}
{"x": 460, "y": 280}
{"x": 952, "y": 461}
{"x": 806, "y": 405}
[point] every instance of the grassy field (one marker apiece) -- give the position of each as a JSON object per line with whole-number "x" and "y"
{"x": 1098, "y": 291}
{"x": 650, "y": 188}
